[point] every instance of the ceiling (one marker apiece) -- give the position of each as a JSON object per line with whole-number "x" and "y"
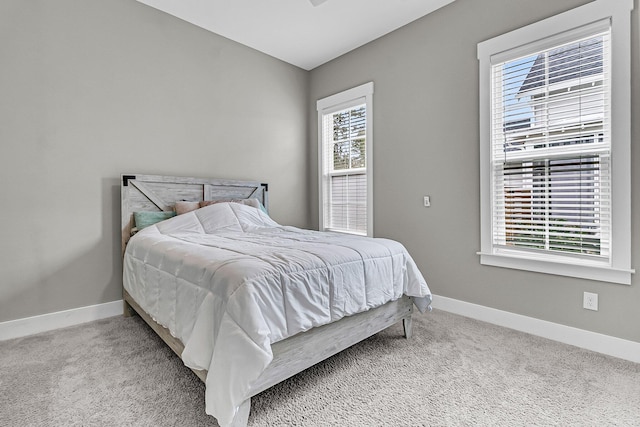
{"x": 295, "y": 31}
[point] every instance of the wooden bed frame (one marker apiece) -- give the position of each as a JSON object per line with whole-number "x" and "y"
{"x": 290, "y": 356}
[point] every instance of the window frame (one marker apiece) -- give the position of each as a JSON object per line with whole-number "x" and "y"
{"x": 540, "y": 35}
{"x": 362, "y": 94}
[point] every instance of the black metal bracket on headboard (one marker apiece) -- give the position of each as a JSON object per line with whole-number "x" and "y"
{"x": 266, "y": 186}
{"x": 126, "y": 178}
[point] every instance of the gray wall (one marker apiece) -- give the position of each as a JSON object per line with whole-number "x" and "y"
{"x": 426, "y": 142}
{"x": 90, "y": 89}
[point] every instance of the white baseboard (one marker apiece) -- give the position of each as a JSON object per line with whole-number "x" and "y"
{"x": 612, "y": 346}
{"x": 61, "y": 319}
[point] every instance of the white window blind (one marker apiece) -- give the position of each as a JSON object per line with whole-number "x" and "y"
{"x": 345, "y": 151}
{"x": 551, "y": 144}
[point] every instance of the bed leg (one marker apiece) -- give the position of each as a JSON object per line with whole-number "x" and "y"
{"x": 408, "y": 327}
{"x": 242, "y": 416}
{"x": 127, "y": 310}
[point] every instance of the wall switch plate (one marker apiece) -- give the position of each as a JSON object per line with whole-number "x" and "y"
{"x": 590, "y": 301}
{"x": 427, "y": 201}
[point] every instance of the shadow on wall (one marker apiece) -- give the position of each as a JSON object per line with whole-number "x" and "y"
{"x": 93, "y": 277}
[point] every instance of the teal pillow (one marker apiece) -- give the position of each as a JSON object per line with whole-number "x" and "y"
{"x": 145, "y": 219}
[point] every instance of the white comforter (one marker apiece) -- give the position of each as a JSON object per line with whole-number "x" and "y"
{"x": 228, "y": 281}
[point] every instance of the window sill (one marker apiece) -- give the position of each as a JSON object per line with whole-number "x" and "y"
{"x": 342, "y": 231}
{"x": 602, "y": 273}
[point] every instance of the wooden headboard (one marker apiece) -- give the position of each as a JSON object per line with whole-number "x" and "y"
{"x": 160, "y": 193}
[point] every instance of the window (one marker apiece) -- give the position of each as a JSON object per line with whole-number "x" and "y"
{"x": 345, "y": 140}
{"x": 555, "y": 169}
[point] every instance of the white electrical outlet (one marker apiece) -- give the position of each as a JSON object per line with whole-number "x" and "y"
{"x": 590, "y": 301}
{"x": 427, "y": 201}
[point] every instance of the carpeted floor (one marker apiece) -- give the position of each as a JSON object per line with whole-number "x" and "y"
{"x": 454, "y": 372}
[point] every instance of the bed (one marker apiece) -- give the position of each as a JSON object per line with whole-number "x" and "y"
{"x": 246, "y": 302}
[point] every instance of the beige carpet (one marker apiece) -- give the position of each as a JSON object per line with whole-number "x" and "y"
{"x": 454, "y": 372}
